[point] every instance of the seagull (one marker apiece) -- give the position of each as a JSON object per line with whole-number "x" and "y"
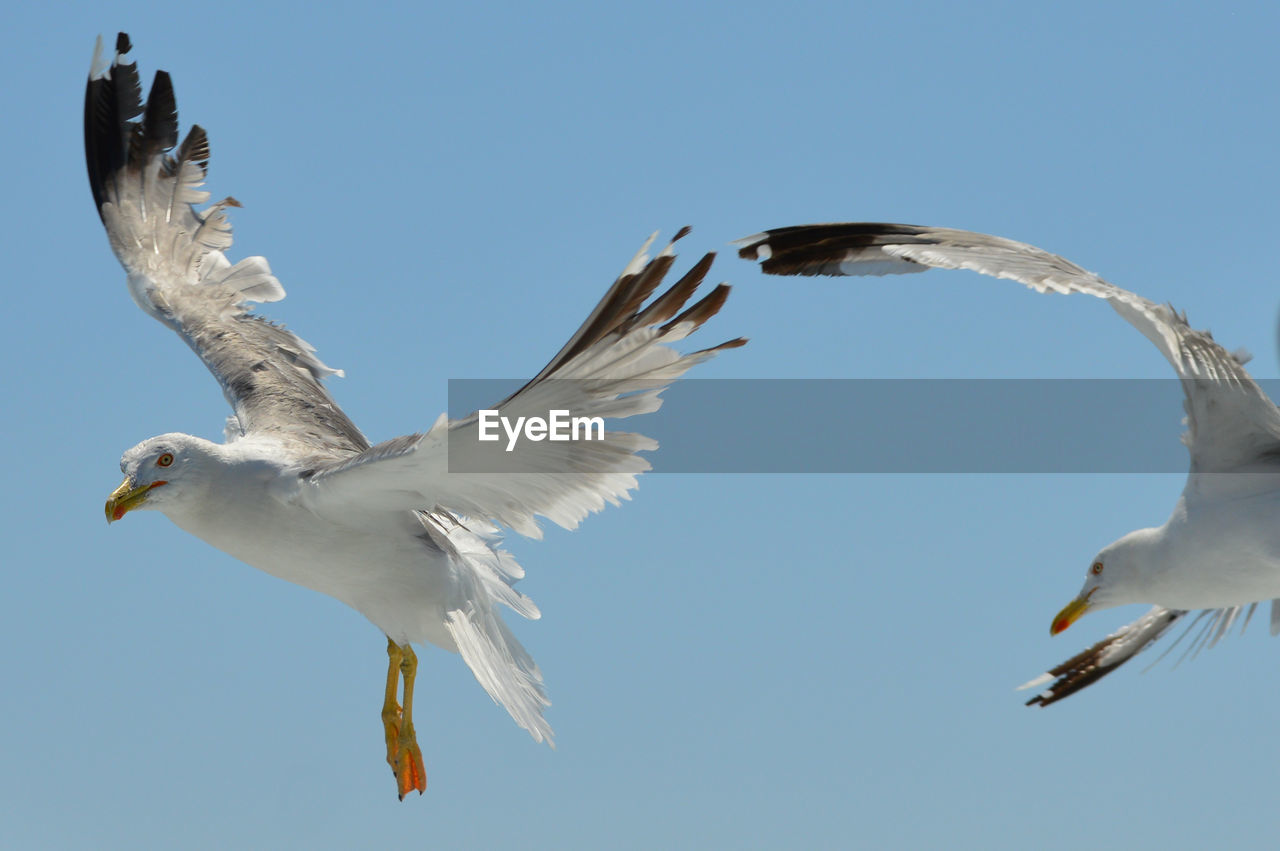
{"x": 405, "y": 531}
{"x": 1218, "y": 555}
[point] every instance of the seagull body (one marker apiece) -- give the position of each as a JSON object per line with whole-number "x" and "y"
{"x": 1209, "y": 554}
{"x": 404, "y": 531}
{"x": 1219, "y": 551}
{"x": 377, "y": 562}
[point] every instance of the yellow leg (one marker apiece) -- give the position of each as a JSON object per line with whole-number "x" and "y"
{"x": 403, "y": 754}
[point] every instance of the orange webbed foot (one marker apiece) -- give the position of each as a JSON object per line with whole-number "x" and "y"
{"x": 406, "y": 762}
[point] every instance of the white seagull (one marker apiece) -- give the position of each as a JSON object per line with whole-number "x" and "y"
{"x": 1219, "y": 552}
{"x": 402, "y": 531}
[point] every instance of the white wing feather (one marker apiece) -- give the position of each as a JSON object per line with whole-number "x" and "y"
{"x": 1232, "y": 425}
{"x": 614, "y": 367}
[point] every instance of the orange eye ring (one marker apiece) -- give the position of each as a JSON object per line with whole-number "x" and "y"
{"x": 165, "y": 460}
{"x": 1096, "y": 569}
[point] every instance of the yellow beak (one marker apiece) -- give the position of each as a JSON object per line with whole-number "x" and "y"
{"x": 1071, "y": 613}
{"x": 127, "y": 497}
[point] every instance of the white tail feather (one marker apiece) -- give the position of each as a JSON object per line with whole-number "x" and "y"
{"x": 484, "y": 575}
{"x": 502, "y": 666}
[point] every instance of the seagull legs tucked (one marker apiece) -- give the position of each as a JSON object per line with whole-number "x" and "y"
{"x": 403, "y": 754}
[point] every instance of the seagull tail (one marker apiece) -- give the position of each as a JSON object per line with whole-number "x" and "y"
{"x": 483, "y": 578}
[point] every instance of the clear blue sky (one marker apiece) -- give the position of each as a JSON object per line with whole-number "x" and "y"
{"x": 734, "y": 661}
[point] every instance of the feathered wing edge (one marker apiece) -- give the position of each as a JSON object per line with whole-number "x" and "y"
{"x": 1094, "y": 663}
{"x": 1090, "y": 665}
{"x": 614, "y": 366}
{"x": 144, "y": 186}
{"x": 144, "y": 196}
{"x": 1221, "y": 398}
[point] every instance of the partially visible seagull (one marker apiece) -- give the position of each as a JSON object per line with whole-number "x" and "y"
{"x": 1219, "y": 552}
{"x": 403, "y": 531}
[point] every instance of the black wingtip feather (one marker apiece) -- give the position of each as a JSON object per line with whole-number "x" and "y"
{"x": 111, "y": 101}
{"x": 808, "y": 249}
{"x": 705, "y": 308}
{"x": 621, "y": 310}
{"x": 1088, "y": 666}
{"x": 113, "y": 140}
{"x": 666, "y": 305}
{"x": 159, "y": 129}
{"x": 194, "y": 149}
{"x": 1076, "y": 673}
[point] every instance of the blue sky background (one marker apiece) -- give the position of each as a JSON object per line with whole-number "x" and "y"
{"x": 735, "y": 661}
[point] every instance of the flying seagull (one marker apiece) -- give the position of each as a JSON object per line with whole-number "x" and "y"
{"x": 1219, "y": 552}
{"x": 403, "y": 531}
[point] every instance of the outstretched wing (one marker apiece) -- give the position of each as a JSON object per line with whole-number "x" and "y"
{"x": 1087, "y": 667}
{"x": 1091, "y": 665}
{"x": 614, "y": 366}
{"x": 1232, "y": 425}
{"x": 177, "y": 270}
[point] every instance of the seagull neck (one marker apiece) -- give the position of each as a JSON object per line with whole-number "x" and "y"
{"x": 1150, "y": 554}
{"x": 222, "y": 493}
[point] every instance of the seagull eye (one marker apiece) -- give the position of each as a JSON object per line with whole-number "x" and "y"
{"x": 1096, "y": 569}
{"x": 167, "y": 458}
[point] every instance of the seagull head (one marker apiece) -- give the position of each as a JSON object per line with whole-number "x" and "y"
{"x": 1114, "y": 577}
{"x": 160, "y": 473}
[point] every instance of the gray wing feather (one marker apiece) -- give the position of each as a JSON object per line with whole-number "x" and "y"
{"x": 177, "y": 270}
